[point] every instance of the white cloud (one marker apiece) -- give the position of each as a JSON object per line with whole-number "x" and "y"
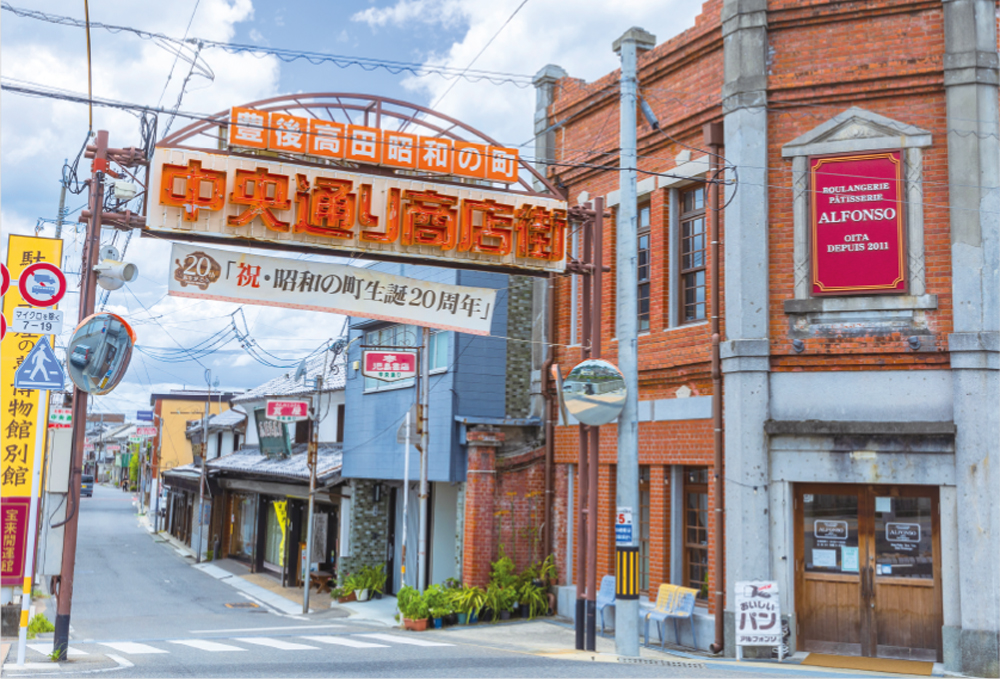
{"x": 407, "y": 12}
{"x": 578, "y": 39}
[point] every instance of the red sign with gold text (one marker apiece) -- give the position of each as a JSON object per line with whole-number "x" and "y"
{"x": 857, "y": 224}
{"x": 14, "y": 527}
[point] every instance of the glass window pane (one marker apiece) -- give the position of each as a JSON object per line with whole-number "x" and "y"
{"x": 903, "y": 537}
{"x": 830, "y": 525}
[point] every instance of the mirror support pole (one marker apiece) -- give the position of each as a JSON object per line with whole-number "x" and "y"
{"x": 88, "y": 293}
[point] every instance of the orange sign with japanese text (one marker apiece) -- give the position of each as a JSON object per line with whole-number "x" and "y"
{"x": 20, "y": 406}
{"x": 222, "y": 196}
{"x": 286, "y": 133}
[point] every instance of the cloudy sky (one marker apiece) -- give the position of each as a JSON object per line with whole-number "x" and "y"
{"x": 38, "y": 134}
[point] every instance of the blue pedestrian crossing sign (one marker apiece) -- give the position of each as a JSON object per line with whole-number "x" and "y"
{"x": 41, "y": 369}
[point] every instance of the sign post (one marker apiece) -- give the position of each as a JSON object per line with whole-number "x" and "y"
{"x": 40, "y": 371}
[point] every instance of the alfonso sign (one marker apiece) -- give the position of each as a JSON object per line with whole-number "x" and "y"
{"x": 205, "y": 196}
{"x": 857, "y": 237}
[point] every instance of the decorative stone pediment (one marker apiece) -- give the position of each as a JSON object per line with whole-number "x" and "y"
{"x": 856, "y": 130}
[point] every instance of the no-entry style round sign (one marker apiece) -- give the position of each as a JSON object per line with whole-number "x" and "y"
{"x": 4, "y": 279}
{"x": 42, "y": 284}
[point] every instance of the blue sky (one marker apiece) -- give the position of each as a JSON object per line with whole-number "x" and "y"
{"x": 37, "y": 134}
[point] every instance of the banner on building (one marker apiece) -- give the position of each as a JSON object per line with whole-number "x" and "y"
{"x": 20, "y": 406}
{"x": 207, "y": 273}
{"x": 199, "y": 196}
{"x": 858, "y": 244}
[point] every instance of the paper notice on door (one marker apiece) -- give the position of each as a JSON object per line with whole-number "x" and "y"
{"x": 824, "y": 558}
{"x": 849, "y": 559}
{"x": 883, "y": 504}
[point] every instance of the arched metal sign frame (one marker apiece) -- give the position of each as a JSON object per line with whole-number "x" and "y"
{"x": 357, "y": 109}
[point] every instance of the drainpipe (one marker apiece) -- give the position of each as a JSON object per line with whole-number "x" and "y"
{"x": 713, "y": 138}
{"x": 548, "y": 390}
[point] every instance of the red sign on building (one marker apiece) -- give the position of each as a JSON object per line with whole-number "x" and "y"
{"x": 287, "y": 411}
{"x": 858, "y": 245}
{"x": 389, "y": 366}
{"x": 14, "y": 528}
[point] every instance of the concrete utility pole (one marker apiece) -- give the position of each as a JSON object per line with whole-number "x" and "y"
{"x": 88, "y": 293}
{"x": 313, "y": 455}
{"x": 422, "y": 421}
{"x": 627, "y": 47}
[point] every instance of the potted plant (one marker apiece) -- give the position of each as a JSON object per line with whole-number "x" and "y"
{"x": 534, "y": 600}
{"x": 438, "y": 603}
{"x": 468, "y": 601}
{"x": 413, "y": 607}
{"x": 375, "y": 577}
{"x": 357, "y": 583}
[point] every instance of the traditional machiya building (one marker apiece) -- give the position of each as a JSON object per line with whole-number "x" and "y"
{"x": 859, "y": 316}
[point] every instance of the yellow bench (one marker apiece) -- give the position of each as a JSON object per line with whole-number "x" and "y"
{"x": 676, "y": 603}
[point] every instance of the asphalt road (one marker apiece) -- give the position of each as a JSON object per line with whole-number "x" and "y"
{"x": 141, "y": 610}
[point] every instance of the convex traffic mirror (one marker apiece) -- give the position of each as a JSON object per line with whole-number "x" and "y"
{"x": 594, "y": 392}
{"x": 99, "y": 352}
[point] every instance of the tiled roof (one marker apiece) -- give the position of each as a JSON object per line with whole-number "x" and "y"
{"x": 250, "y": 461}
{"x": 287, "y": 385}
{"x": 230, "y": 419}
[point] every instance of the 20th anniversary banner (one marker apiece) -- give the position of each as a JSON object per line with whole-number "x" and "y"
{"x": 208, "y": 273}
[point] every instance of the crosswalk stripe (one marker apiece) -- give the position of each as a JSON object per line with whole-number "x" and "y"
{"x": 276, "y": 643}
{"x": 399, "y": 639}
{"x": 345, "y": 641}
{"x": 131, "y": 647}
{"x": 47, "y": 649}
{"x": 206, "y": 645}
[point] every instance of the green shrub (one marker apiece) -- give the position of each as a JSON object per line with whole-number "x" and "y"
{"x": 39, "y": 625}
{"x": 412, "y": 604}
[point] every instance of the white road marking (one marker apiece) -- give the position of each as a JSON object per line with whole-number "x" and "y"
{"x": 345, "y": 641}
{"x": 132, "y": 647}
{"x": 262, "y": 629}
{"x": 32, "y": 666}
{"x": 47, "y": 649}
{"x": 276, "y": 643}
{"x": 399, "y": 639}
{"x": 206, "y": 645}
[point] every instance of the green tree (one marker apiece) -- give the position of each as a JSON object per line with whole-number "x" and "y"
{"x": 133, "y": 470}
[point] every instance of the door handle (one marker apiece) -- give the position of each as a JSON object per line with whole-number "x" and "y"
{"x": 864, "y": 583}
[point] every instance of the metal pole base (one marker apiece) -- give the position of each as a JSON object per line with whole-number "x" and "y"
{"x": 581, "y": 623}
{"x": 591, "y": 625}
{"x": 60, "y": 639}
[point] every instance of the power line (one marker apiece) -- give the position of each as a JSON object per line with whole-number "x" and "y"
{"x": 290, "y": 55}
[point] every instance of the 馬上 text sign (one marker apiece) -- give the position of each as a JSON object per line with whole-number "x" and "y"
{"x": 857, "y": 224}
{"x": 293, "y": 283}
{"x": 209, "y": 196}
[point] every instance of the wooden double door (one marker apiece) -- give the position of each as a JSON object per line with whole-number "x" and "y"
{"x": 868, "y": 570}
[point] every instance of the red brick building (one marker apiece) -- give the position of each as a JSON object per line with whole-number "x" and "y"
{"x": 856, "y": 364}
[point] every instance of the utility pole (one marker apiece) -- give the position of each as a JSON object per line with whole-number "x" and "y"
{"x": 88, "y": 291}
{"x": 406, "y": 497}
{"x": 93, "y": 216}
{"x": 204, "y": 461}
{"x": 423, "y": 422}
{"x": 313, "y": 454}
{"x": 62, "y": 210}
{"x": 627, "y": 47}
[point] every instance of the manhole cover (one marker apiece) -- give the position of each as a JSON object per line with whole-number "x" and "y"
{"x": 242, "y": 604}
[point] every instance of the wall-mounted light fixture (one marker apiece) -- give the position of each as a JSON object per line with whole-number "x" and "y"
{"x": 376, "y": 492}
